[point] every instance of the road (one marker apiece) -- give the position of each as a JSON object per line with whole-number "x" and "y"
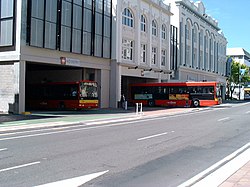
{"x": 156, "y": 151}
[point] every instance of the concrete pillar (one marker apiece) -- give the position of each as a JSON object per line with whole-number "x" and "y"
{"x": 22, "y": 74}
{"x": 103, "y": 85}
{"x": 115, "y": 84}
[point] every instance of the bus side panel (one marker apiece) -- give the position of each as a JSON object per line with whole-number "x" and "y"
{"x": 60, "y": 104}
{"x": 208, "y": 102}
{"x": 173, "y": 103}
{"x": 144, "y": 102}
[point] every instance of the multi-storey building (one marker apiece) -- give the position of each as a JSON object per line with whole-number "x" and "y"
{"x": 239, "y": 55}
{"x": 36, "y": 34}
{"x": 142, "y": 44}
{"x": 201, "y": 43}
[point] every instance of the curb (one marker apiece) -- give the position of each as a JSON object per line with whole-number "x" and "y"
{"x": 198, "y": 180}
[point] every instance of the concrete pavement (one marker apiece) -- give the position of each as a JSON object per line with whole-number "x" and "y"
{"x": 238, "y": 177}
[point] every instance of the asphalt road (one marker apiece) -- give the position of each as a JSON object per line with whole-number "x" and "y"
{"x": 160, "y": 151}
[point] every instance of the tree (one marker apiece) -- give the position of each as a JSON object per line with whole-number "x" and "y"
{"x": 239, "y": 76}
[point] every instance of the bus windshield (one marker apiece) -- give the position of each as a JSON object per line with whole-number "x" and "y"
{"x": 88, "y": 90}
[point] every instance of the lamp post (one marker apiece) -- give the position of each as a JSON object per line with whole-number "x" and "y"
{"x": 239, "y": 82}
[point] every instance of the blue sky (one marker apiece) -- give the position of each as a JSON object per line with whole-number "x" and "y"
{"x": 234, "y": 20}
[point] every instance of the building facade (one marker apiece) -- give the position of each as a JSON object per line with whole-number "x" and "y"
{"x": 201, "y": 43}
{"x": 239, "y": 55}
{"x": 36, "y": 34}
{"x": 142, "y": 48}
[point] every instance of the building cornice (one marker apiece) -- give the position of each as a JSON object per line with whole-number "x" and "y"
{"x": 161, "y": 6}
{"x": 181, "y": 3}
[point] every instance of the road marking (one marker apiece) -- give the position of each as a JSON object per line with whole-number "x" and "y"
{"x": 239, "y": 105}
{"x": 89, "y": 125}
{"x": 217, "y": 166}
{"x": 248, "y": 112}
{"x": 153, "y": 136}
{"x": 74, "y": 182}
{"x": 12, "y": 124}
{"x": 4, "y": 149}
{"x": 20, "y": 166}
{"x": 224, "y": 119}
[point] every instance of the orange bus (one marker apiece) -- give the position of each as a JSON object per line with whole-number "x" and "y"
{"x": 176, "y": 94}
{"x": 62, "y": 95}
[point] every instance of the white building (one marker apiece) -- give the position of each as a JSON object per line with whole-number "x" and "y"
{"x": 142, "y": 48}
{"x": 202, "y": 45}
{"x": 239, "y": 55}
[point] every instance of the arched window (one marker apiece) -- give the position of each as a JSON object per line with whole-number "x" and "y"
{"x": 164, "y": 32}
{"x": 127, "y": 18}
{"x": 143, "y": 23}
{"x": 154, "y": 28}
{"x": 188, "y": 31}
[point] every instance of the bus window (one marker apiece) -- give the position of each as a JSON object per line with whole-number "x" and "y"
{"x": 88, "y": 90}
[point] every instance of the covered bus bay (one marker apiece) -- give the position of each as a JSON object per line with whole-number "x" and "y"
{"x": 38, "y": 73}
{"x": 18, "y": 76}
{"x": 127, "y": 80}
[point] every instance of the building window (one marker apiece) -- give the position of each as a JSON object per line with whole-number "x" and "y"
{"x": 143, "y": 23}
{"x": 195, "y": 35}
{"x": 127, "y": 18}
{"x": 66, "y": 26}
{"x": 87, "y": 29}
{"x": 37, "y": 20}
{"x": 163, "y": 57}
{"x": 50, "y": 24}
{"x": 98, "y": 34}
{"x": 143, "y": 52}
{"x": 127, "y": 49}
{"x": 188, "y": 54}
{"x": 164, "y": 32}
{"x": 201, "y": 38}
{"x": 154, "y": 28}
{"x": 188, "y": 31}
{"x": 76, "y": 26}
{"x": 6, "y": 23}
{"x": 154, "y": 55}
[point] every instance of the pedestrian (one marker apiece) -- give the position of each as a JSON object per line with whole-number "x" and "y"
{"x": 122, "y": 101}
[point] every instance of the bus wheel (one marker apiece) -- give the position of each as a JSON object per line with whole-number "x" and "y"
{"x": 151, "y": 103}
{"x": 196, "y": 103}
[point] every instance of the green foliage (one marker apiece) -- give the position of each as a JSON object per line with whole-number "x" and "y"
{"x": 236, "y": 77}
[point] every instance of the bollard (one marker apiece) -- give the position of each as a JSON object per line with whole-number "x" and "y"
{"x": 136, "y": 108}
{"x": 140, "y": 108}
{"x": 126, "y": 105}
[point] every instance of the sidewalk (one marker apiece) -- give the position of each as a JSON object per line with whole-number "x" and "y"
{"x": 240, "y": 178}
{"x": 9, "y": 122}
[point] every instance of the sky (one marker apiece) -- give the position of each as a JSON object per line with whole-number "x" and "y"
{"x": 233, "y": 18}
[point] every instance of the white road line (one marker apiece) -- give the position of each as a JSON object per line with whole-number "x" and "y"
{"x": 74, "y": 182}
{"x": 102, "y": 126}
{"x": 3, "y": 149}
{"x": 224, "y": 119}
{"x": 20, "y": 166}
{"x": 153, "y": 136}
{"x": 239, "y": 105}
{"x": 248, "y": 112}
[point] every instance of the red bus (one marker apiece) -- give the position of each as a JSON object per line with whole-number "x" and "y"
{"x": 176, "y": 94}
{"x": 62, "y": 95}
